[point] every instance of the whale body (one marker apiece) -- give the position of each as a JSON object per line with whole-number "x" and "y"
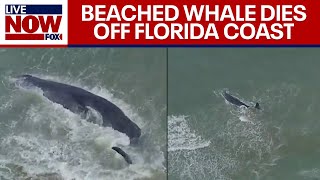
{"x": 235, "y": 101}
{"x": 79, "y": 101}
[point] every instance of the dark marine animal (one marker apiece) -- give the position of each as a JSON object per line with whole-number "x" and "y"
{"x": 78, "y": 100}
{"x": 236, "y": 101}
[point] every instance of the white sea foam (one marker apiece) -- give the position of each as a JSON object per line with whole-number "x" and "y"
{"x": 50, "y": 139}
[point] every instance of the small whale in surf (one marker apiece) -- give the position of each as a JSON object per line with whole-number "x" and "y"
{"x": 235, "y": 101}
{"x": 123, "y": 154}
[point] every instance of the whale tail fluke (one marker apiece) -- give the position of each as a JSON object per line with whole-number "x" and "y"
{"x": 257, "y": 106}
{"x": 123, "y": 154}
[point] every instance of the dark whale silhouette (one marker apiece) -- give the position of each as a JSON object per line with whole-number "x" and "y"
{"x": 235, "y": 101}
{"x": 123, "y": 154}
{"x": 78, "y": 100}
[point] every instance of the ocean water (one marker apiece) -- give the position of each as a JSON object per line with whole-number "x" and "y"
{"x": 41, "y": 140}
{"x": 208, "y": 140}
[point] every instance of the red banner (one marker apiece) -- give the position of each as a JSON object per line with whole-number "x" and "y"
{"x": 160, "y": 23}
{"x": 204, "y": 22}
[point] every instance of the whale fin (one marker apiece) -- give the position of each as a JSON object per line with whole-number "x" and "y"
{"x": 257, "y": 106}
{"x": 123, "y": 154}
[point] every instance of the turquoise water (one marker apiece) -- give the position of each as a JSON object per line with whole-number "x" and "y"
{"x": 41, "y": 139}
{"x": 207, "y": 140}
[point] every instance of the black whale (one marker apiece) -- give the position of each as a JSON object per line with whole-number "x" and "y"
{"x": 235, "y": 101}
{"x": 78, "y": 100}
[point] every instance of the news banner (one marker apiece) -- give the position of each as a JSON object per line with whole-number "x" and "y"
{"x": 74, "y": 23}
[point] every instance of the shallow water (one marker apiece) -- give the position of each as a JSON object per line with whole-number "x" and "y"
{"x": 207, "y": 139}
{"x": 40, "y": 139}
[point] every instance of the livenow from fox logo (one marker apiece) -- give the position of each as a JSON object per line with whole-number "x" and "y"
{"x": 35, "y": 24}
